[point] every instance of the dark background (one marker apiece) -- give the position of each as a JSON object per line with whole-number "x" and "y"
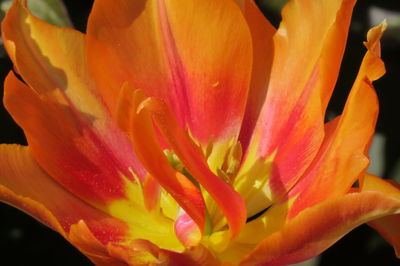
{"x": 25, "y": 242}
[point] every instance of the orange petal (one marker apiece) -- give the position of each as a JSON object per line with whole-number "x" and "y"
{"x": 387, "y": 226}
{"x": 151, "y": 192}
{"x": 195, "y": 55}
{"x": 341, "y": 159}
{"x": 290, "y": 131}
{"x": 227, "y": 199}
{"x": 149, "y": 151}
{"x": 137, "y": 252}
{"x": 262, "y": 33}
{"x": 318, "y": 227}
{"x": 24, "y": 185}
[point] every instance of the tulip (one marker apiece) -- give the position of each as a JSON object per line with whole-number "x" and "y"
{"x": 192, "y": 132}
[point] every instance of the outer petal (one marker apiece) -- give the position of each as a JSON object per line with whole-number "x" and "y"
{"x": 342, "y": 157}
{"x": 318, "y": 227}
{"x": 25, "y": 185}
{"x": 69, "y": 131}
{"x": 195, "y": 55}
{"x": 308, "y": 49}
{"x": 387, "y": 226}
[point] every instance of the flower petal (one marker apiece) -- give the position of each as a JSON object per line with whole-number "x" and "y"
{"x": 227, "y": 199}
{"x": 187, "y": 231}
{"x": 141, "y": 252}
{"x": 342, "y": 157}
{"x": 66, "y": 146}
{"x": 86, "y": 167}
{"x": 307, "y": 54}
{"x": 69, "y": 131}
{"x": 25, "y": 185}
{"x": 318, "y": 227}
{"x": 195, "y": 55}
{"x": 82, "y": 238}
{"x": 262, "y": 33}
{"x": 149, "y": 151}
{"x": 387, "y": 226}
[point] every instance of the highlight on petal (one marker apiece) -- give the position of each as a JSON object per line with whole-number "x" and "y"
{"x": 181, "y": 60}
{"x": 289, "y": 130}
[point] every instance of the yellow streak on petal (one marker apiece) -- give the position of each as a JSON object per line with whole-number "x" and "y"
{"x": 251, "y": 181}
{"x": 153, "y": 226}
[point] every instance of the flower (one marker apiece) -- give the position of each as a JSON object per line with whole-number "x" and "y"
{"x": 192, "y": 132}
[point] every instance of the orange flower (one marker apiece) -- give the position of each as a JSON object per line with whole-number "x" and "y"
{"x": 192, "y": 132}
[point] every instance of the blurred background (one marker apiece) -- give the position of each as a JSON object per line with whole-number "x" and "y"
{"x": 25, "y": 242}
